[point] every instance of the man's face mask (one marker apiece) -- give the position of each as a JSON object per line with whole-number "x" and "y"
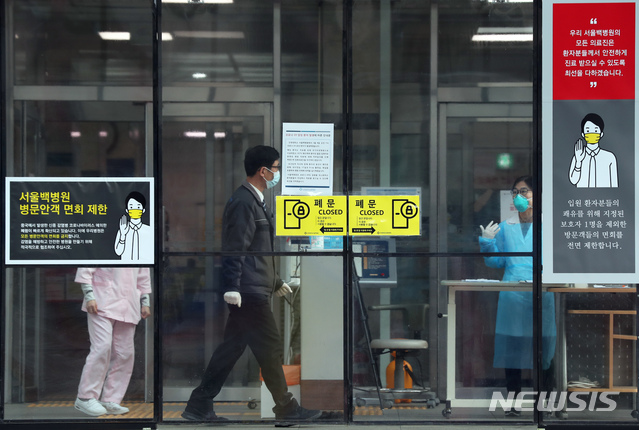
{"x": 592, "y": 138}
{"x": 273, "y": 182}
{"x": 521, "y": 203}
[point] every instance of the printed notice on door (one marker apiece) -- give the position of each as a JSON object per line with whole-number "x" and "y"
{"x": 307, "y": 159}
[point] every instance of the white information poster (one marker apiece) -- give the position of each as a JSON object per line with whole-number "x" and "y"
{"x": 507, "y": 208}
{"x": 307, "y": 159}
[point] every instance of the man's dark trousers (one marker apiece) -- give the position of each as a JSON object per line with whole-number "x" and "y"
{"x": 251, "y": 325}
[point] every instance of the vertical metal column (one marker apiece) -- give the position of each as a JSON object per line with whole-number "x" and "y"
{"x": 159, "y": 250}
{"x": 149, "y": 323}
{"x": 437, "y": 355}
{"x": 7, "y": 168}
{"x": 385, "y": 58}
{"x": 347, "y": 188}
{"x": 276, "y": 129}
{"x": 209, "y": 209}
{"x": 385, "y": 82}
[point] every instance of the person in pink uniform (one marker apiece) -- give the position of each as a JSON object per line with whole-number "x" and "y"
{"x": 114, "y": 299}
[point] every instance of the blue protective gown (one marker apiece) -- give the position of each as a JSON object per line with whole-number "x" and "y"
{"x": 513, "y": 331}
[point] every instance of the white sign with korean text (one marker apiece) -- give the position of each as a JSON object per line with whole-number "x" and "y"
{"x": 307, "y": 159}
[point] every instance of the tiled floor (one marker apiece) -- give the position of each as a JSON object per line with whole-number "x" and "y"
{"x": 404, "y": 417}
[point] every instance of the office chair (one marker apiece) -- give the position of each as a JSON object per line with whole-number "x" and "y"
{"x": 414, "y": 316}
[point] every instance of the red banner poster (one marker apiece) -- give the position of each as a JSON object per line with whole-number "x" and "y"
{"x": 594, "y": 51}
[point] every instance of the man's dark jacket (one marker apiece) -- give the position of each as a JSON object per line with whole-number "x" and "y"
{"x": 246, "y": 227}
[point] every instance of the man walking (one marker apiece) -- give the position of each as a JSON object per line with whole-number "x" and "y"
{"x": 249, "y": 282}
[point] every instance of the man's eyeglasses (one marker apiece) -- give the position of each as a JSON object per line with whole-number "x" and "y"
{"x": 522, "y": 191}
{"x": 278, "y": 167}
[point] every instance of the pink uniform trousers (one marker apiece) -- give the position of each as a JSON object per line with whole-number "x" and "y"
{"x": 107, "y": 370}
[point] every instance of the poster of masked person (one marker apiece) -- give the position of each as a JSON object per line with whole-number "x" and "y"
{"x": 133, "y": 233}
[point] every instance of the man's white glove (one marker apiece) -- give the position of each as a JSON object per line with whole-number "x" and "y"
{"x": 233, "y": 298}
{"x": 490, "y": 231}
{"x": 283, "y": 290}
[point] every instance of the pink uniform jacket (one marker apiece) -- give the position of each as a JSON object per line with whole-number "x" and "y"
{"x": 117, "y": 290}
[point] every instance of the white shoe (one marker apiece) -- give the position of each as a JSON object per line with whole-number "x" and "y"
{"x": 90, "y": 407}
{"x": 114, "y": 409}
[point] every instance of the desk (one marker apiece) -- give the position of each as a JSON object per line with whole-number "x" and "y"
{"x": 451, "y": 325}
{"x": 496, "y": 286}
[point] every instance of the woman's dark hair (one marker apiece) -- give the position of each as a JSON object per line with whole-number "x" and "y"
{"x": 527, "y": 179}
{"x": 259, "y": 156}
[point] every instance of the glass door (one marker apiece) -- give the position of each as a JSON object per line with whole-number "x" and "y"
{"x": 46, "y": 341}
{"x": 203, "y": 147}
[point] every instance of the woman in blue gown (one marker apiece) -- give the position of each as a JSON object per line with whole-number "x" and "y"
{"x": 513, "y": 331}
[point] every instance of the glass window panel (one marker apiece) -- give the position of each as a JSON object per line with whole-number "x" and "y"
{"x": 203, "y": 155}
{"x": 484, "y": 157}
{"x": 311, "y": 70}
{"x": 194, "y": 326}
{"x": 217, "y": 43}
{"x": 436, "y": 300}
{"x": 48, "y": 342}
{"x": 463, "y": 60}
{"x": 82, "y": 43}
{"x": 394, "y": 143}
{"x": 69, "y": 139}
{"x": 70, "y": 132}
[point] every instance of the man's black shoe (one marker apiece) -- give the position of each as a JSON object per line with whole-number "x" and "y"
{"x": 298, "y": 414}
{"x": 208, "y": 417}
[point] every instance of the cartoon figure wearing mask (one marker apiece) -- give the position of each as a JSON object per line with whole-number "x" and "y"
{"x": 591, "y": 166}
{"x": 132, "y": 232}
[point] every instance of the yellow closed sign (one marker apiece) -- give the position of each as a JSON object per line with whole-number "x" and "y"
{"x": 384, "y": 216}
{"x": 311, "y": 215}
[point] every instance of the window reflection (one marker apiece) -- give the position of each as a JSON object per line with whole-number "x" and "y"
{"x": 79, "y": 43}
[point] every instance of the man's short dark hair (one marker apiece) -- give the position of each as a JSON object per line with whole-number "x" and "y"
{"x": 137, "y": 196}
{"x": 593, "y": 118}
{"x": 259, "y": 156}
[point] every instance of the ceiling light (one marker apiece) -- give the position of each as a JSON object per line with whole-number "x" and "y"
{"x": 502, "y": 38}
{"x": 504, "y": 119}
{"x": 167, "y": 36}
{"x": 115, "y": 35}
{"x": 75, "y": 134}
{"x": 504, "y": 30}
{"x": 219, "y": 134}
{"x": 103, "y": 133}
{"x": 195, "y": 134}
{"x": 199, "y": 75}
{"x": 503, "y": 34}
{"x": 210, "y": 34}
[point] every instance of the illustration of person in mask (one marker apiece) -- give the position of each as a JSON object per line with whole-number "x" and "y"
{"x": 591, "y": 166}
{"x": 513, "y": 330}
{"x": 132, "y": 232}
